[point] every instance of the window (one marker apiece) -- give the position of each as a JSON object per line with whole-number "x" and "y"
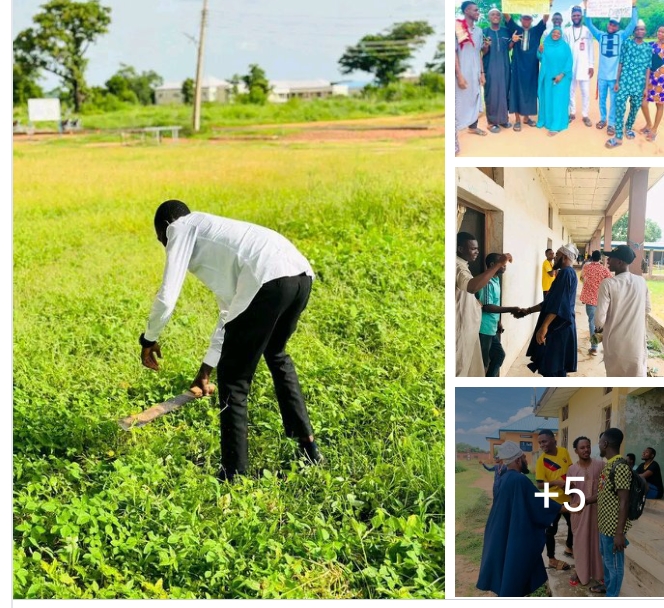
{"x": 565, "y": 413}
{"x": 562, "y": 235}
{"x": 550, "y": 217}
{"x": 563, "y": 441}
{"x": 607, "y": 418}
{"x": 526, "y": 446}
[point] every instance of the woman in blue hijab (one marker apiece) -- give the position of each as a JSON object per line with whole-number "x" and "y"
{"x": 554, "y": 83}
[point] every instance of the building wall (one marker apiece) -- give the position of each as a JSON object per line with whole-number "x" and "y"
{"x": 644, "y": 423}
{"x": 518, "y": 438}
{"x": 168, "y": 96}
{"x": 517, "y": 222}
{"x": 637, "y": 412}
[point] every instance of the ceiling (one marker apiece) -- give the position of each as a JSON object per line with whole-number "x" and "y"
{"x": 583, "y": 194}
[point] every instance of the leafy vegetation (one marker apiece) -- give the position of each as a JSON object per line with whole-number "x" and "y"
{"x": 103, "y": 513}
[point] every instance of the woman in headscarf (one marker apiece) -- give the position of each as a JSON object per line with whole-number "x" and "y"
{"x": 554, "y": 82}
{"x": 655, "y": 92}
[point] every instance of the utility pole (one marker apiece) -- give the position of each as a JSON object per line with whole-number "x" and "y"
{"x": 199, "y": 70}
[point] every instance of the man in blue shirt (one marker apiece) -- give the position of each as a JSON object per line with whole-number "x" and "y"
{"x": 493, "y": 353}
{"x": 610, "y": 43}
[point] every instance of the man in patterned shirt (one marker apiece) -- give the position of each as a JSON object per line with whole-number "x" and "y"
{"x": 592, "y": 275}
{"x": 612, "y": 508}
{"x": 631, "y": 82}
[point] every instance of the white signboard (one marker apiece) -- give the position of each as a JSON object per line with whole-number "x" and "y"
{"x": 615, "y": 9}
{"x": 526, "y": 7}
{"x": 43, "y": 110}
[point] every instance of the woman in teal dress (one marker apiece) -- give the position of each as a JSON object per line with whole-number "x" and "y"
{"x": 554, "y": 82}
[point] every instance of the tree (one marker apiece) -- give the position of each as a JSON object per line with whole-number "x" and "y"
{"x": 25, "y": 84}
{"x": 466, "y": 447}
{"x": 619, "y": 232}
{"x": 188, "y": 91}
{"x": 438, "y": 63}
{"x": 387, "y": 55}
{"x": 258, "y": 86}
{"x": 128, "y": 85}
{"x": 58, "y": 42}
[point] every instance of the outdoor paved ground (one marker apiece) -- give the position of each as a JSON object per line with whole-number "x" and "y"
{"x": 588, "y": 366}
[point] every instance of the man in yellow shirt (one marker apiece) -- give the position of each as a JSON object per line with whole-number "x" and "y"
{"x": 548, "y": 273}
{"x": 552, "y": 468}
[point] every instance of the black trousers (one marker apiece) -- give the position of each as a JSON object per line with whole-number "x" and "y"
{"x": 551, "y": 532}
{"x": 493, "y": 354}
{"x": 263, "y": 329}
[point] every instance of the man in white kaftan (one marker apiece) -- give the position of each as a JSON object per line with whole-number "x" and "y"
{"x": 623, "y": 304}
{"x": 468, "y": 319}
{"x": 581, "y": 41}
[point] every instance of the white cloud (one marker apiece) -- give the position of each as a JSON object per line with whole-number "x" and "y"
{"x": 481, "y": 400}
{"x": 490, "y": 426}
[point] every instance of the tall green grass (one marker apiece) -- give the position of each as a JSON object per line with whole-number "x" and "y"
{"x": 103, "y": 513}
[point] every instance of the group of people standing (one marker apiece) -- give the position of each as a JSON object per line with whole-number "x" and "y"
{"x": 530, "y": 71}
{"x": 521, "y": 523}
{"x": 617, "y": 304}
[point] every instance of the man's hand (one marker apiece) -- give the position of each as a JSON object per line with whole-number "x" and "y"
{"x": 516, "y": 37}
{"x": 461, "y": 81}
{"x": 616, "y": 87}
{"x": 519, "y": 313}
{"x": 591, "y": 72}
{"x": 501, "y": 329}
{"x": 558, "y": 78}
{"x": 504, "y": 258}
{"x": 149, "y": 356}
{"x": 541, "y": 335}
{"x": 202, "y": 381}
{"x": 618, "y": 543}
{"x": 633, "y": 3}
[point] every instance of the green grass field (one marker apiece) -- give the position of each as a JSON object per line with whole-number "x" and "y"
{"x": 657, "y": 297}
{"x": 103, "y": 513}
{"x": 236, "y": 115}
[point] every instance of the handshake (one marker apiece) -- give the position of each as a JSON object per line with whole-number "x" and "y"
{"x": 519, "y": 313}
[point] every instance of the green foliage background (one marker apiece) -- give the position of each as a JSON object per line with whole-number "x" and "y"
{"x": 103, "y": 513}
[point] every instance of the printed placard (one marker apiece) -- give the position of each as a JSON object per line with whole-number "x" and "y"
{"x": 527, "y": 7}
{"x": 615, "y": 9}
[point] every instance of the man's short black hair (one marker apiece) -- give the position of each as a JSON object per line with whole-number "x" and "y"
{"x": 466, "y": 4}
{"x": 547, "y": 432}
{"x": 557, "y": 15}
{"x": 463, "y": 238}
{"x": 630, "y": 455}
{"x": 614, "y": 437}
{"x": 596, "y": 256}
{"x": 167, "y": 213}
{"x": 654, "y": 452}
{"x": 578, "y": 440}
{"x": 492, "y": 258}
{"x": 547, "y": 251}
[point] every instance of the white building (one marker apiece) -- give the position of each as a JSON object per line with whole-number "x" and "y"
{"x": 283, "y": 90}
{"x": 212, "y": 89}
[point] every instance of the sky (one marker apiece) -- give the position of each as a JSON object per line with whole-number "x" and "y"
{"x": 655, "y": 204}
{"x": 480, "y": 412}
{"x": 290, "y": 39}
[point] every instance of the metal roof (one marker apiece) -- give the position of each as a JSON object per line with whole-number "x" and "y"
{"x": 584, "y": 195}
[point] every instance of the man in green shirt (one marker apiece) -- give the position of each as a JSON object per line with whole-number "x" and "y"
{"x": 493, "y": 353}
{"x": 612, "y": 509}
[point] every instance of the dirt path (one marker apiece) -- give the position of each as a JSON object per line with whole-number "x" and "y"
{"x": 577, "y": 140}
{"x": 466, "y": 571}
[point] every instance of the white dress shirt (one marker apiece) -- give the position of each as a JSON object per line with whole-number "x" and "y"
{"x": 234, "y": 259}
{"x": 582, "y": 44}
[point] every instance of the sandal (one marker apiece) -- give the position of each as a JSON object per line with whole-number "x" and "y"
{"x": 507, "y": 125}
{"x": 568, "y": 552}
{"x": 558, "y": 564}
{"x": 601, "y": 124}
{"x": 530, "y": 122}
{"x": 517, "y": 126}
{"x": 644, "y": 131}
{"x": 652, "y": 136}
{"x": 553, "y": 133}
{"x": 494, "y": 129}
{"x": 587, "y": 122}
{"x": 598, "y": 589}
{"x": 614, "y": 142}
{"x": 611, "y": 131}
{"x": 629, "y": 134}
{"x": 477, "y": 131}
{"x": 572, "y": 117}
{"x": 574, "y": 581}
